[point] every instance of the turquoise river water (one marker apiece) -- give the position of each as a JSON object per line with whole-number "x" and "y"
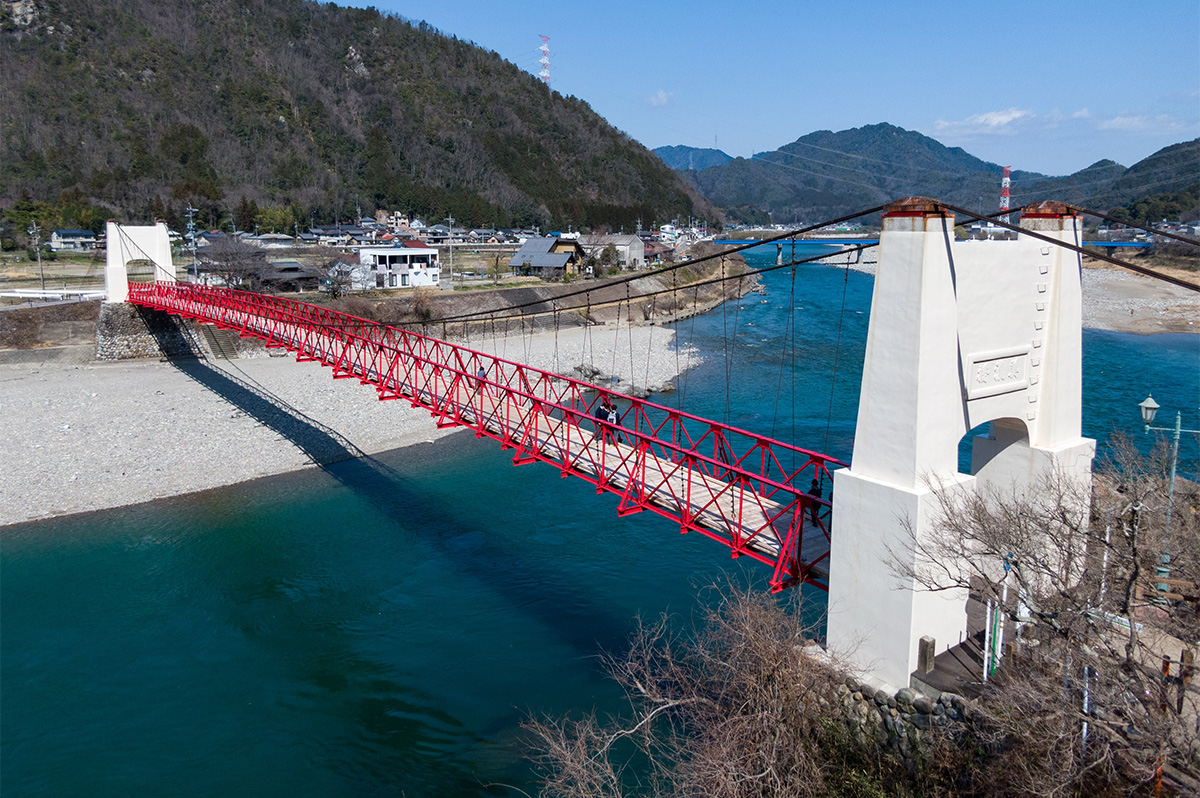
{"x": 382, "y": 627}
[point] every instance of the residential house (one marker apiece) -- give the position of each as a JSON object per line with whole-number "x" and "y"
{"x": 289, "y": 275}
{"x": 483, "y": 235}
{"x": 409, "y": 264}
{"x": 631, "y": 250}
{"x": 548, "y": 257}
{"x": 270, "y": 240}
{"x": 436, "y": 234}
{"x": 656, "y": 252}
{"x": 72, "y": 241}
{"x": 331, "y": 235}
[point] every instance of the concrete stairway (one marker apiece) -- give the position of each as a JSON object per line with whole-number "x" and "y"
{"x": 222, "y": 343}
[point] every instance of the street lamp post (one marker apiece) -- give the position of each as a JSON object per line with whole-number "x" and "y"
{"x": 1149, "y": 409}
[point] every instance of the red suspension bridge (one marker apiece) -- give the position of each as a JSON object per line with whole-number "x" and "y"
{"x": 743, "y": 490}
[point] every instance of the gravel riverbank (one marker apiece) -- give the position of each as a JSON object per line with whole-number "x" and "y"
{"x": 91, "y": 436}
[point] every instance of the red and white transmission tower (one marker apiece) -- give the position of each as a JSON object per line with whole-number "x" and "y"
{"x": 1004, "y": 183}
{"x": 544, "y": 60}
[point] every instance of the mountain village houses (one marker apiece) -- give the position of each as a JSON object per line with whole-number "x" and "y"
{"x": 394, "y": 251}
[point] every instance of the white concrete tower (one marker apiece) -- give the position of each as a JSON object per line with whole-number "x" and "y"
{"x": 961, "y": 333}
{"x": 124, "y": 244}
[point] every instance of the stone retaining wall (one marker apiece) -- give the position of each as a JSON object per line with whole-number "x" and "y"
{"x": 125, "y": 331}
{"x": 899, "y": 723}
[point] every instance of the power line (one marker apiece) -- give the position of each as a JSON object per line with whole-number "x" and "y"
{"x": 673, "y": 267}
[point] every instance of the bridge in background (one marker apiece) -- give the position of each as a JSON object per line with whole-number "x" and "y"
{"x": 740, "y": 489}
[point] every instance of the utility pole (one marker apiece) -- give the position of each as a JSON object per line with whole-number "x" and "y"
{"x": 191, "y": 216}
{"x": 450, "y": 248}
{"x": 36, "y": 233}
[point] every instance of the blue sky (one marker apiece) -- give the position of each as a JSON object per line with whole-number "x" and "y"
{"x": 1049, "y": 87}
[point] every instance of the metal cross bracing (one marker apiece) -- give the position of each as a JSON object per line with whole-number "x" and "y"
{"x": 741, "y": 489}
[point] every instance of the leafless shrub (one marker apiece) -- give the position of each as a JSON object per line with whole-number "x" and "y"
{"x": 336, "y": 270}
{"x": 421, "y": 307}
{"x": 734, "y": 708}
{"x": 1083, "y": 704}
{"x": 236, "y": 263}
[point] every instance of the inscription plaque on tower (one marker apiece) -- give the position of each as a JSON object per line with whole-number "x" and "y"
{"x": 994, "y": 373}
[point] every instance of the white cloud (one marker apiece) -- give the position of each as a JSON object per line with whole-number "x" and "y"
{"x": 659, "y": 98}
{"x": 1129, "y": 124}
{"x": 1159, "y": 123}
{"x": 987, "y": 122}
{"x": 1082, "y": 113}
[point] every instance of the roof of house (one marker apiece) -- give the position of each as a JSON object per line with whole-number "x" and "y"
{"x": 74, "y": 233}
{"x": 287, "y": 270}
{"x": 605, "y": 240}
{"x": 537, "y": 246}
{"x": 548, "y": 260}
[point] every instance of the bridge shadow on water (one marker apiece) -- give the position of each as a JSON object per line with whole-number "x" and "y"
{"x": 392, "y": 495}
{"x": 398, "y": 710}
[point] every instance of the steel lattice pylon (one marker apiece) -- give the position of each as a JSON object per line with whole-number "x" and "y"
{"x": 741, "y": 489}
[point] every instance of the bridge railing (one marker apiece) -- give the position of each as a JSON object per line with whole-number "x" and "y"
{"x": 744, "y": 490}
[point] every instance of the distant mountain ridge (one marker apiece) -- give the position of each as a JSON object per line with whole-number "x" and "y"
{"x": 683, "y": 158}
{"x": 139, "y": 103}
{"x": 827, "y": 174}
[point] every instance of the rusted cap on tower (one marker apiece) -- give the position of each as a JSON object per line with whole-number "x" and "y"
{"x": 914, "y": 206}
{"x": 1048, "y": 209}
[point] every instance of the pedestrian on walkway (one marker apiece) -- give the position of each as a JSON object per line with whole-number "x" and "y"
{"x": 814, "y": 490}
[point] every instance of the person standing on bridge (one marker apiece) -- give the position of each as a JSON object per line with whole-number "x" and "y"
{"x": 606, "y": 414}
{"x": 814, "y": 490}
{"x": 481, "y": 377}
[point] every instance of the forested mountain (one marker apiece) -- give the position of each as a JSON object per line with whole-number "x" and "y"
{"x": 137, "y": 105}
{"x": 824, "y": 175}
{"x": 695, "y": 158}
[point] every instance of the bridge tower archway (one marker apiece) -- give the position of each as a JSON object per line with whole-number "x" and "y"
{"x": 961, "y": 333}
{"x": 127, "y": 243}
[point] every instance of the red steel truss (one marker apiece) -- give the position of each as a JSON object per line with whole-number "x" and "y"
{"x": 741, "y": 489}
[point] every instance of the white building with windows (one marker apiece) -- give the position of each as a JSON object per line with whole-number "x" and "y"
{"x": 407, "y": 265}
{"x": 631, "y": 250}
{"x": 72, "y": 241}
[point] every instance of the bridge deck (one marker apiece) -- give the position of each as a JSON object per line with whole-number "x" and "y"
{"x": 711, "y": 502}
{"x": 733, "y": 486}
